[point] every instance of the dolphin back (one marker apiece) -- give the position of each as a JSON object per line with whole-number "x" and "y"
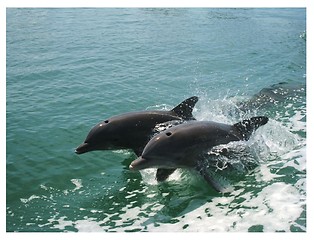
{"x": 185, "y": 108}
{"x": 245, "y": 128}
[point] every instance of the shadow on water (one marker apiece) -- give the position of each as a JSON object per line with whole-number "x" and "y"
{"x": 180, "y": 198}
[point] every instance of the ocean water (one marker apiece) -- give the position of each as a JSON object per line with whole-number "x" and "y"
{"x": 68, "y": 69}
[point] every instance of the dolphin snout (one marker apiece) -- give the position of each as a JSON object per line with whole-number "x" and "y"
{"x": 83, "y": 148}
{"x": 138, "y": 164}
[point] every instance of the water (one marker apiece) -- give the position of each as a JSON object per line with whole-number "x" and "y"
{"x": 68, "y": 69}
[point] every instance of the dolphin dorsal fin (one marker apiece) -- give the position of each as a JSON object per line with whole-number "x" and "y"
{"x": 245, "y": 128}
{"x": 184, "y": 109}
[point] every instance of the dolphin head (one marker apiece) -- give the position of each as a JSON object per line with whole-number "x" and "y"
{"x": 166, "y": 150}
{"x": 103, "y": 136}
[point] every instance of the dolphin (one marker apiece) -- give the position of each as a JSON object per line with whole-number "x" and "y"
{"x": 134, "y": 129}
{"x": 182, "y": 146}
{"x": 276, "y": 94}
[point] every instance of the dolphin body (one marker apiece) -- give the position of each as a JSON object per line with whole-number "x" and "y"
{"x": 182, "y": 146}
{"x": 133, "y": 130}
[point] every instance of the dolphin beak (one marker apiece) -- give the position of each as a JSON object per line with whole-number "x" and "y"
{"x": 138, "y": 164}
{"x": 83, "y": 148}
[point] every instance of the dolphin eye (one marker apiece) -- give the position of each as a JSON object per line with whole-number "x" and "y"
{"x": 106, "y": 121}
{"x": 168, "y": 134}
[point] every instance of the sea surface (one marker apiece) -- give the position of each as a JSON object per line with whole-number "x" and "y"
{"x": 68, "y": 69}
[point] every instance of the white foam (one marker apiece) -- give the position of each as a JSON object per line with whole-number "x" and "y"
{"x": 264, "y": 175}
{"x": 278, "y": 204}
{"x": 27, "y": 200}
{"x": 277, "y": 138}
{"x": 149, "y": 176}
{"x": 296, "y": 159}
{"x": 61, "y": 223}
{"x": 78, "y": 184}
{"x": 88, "y": 225}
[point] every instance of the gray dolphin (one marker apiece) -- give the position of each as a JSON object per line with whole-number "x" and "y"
{"x": 133, "y": 130}
{"x": 182, "y": 146}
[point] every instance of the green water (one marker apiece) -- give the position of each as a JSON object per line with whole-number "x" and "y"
{"x": 68, "y": 69}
